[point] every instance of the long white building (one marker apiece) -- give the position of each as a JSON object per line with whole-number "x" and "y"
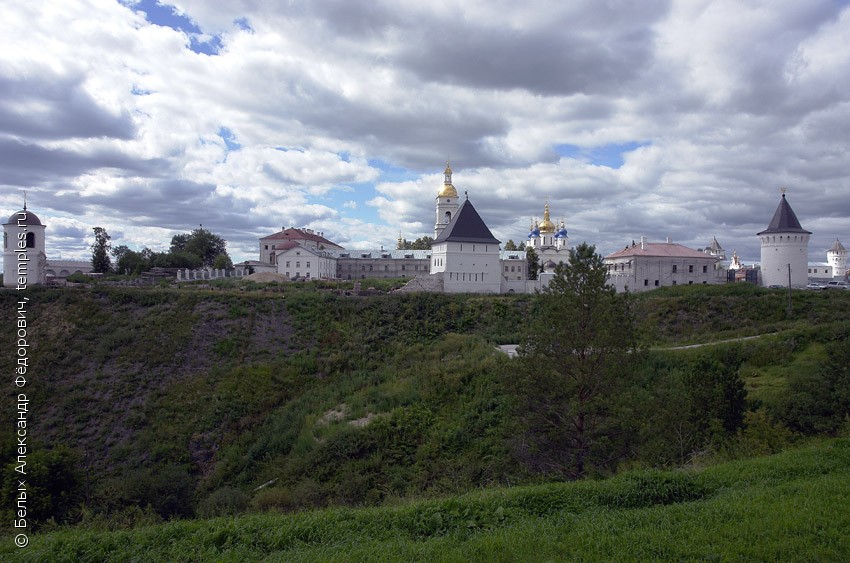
{"x": 649, "y": 265}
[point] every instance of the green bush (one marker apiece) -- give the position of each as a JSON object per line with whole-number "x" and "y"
{"x": 819, "y": 402}
{"x": 226, "y": 501}
{"x": 167, "y": 489}
{"x": 54, "y": 486}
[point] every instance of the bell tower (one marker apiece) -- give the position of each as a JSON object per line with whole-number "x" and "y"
{"x": 23, "y": 249}
{"x": 446, "y": 202}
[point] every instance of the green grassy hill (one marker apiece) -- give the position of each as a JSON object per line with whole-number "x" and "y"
{"x": 787, "y": 507}
{"x": 149, "y": 404}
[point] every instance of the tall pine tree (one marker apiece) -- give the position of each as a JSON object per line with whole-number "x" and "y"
{"x": 574, "y": 358}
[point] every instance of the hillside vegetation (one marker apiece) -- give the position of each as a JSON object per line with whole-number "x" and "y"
{"x": 151, "y": 404}
{"x": 787, "y": 507}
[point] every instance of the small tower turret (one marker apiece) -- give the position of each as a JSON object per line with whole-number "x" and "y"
{"x": 836, "y": 256}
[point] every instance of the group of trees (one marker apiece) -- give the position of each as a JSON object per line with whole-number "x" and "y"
{"x": 422, "y": 243}
{"x": 590, "y": 400}
{"x": 188, "y": 250}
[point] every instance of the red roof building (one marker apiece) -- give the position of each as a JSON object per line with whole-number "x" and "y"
{"x": 291, "y": 237}
{"x": 648, "y": 265}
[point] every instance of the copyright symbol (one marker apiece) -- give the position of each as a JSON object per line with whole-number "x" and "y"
{"x": 21, "y": 540}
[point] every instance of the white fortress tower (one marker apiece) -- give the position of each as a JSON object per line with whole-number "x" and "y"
{"x": 784, "y": 245}
{"x": 836, "y": 257}
{"x": 446, "y": 203}
{"x": 23, "y": 232}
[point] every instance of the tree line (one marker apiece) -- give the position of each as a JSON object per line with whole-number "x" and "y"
{"x": 199, "y": 248}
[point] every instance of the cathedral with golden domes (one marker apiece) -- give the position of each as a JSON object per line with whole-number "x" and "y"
{"x": 551, "y": 243}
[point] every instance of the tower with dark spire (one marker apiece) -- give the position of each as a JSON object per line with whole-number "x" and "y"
{"x": 784, "y": 248}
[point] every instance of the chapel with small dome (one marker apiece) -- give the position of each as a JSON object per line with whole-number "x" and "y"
{"x": 24, "y": 260}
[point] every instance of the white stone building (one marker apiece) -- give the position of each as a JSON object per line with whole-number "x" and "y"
{"x": 24, "y": 253}
{"x": 648, "y": 265}
{"x": 306, "y": 238}
{"x": 784, "y": 249}
{"x": 360, "y": 264}
{"x": 836, "y": 257}
{"x": 298, "y": 262}
{"x": 467, "y": 254}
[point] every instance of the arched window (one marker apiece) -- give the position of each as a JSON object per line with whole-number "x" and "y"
{"x": 30, "y": 240}
{"x": 448, "y": 216}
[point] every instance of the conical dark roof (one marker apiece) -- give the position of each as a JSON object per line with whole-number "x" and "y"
{"x": 466, "y": 226}
{"x": 837, "y": 246}
{"x": 784, "y": 220}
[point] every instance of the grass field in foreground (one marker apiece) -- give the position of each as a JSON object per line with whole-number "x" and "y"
{"x": 791, "y": 507}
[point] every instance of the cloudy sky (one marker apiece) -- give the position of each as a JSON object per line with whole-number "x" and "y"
{"x": 680, "y": 119}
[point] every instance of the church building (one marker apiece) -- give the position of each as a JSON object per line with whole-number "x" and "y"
{"x": 24, "y": 258}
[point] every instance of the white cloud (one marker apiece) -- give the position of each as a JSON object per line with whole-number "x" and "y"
{"x": 109, "y": 119}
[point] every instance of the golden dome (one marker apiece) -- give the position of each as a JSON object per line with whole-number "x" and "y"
{"x": 546, "y": 225}
{"x": 448, "y": 190}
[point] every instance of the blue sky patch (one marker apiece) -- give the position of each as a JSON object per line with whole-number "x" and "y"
{"x": 229, "y": 139}
{"x": 607, "y": 155}
{"x": 243, "y": 24}
{"x": 390, "y": 173}
{"x": 136, "y": 91}
{"x": 165, "y": 15}
{"x": 358, "y": 192}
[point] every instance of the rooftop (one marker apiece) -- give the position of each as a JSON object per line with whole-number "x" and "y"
{"x": 659, "y": 249}
{"x": 300, "y": 234}
{"x": 784, "y": 220}
{"x": 466, "y": 226}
